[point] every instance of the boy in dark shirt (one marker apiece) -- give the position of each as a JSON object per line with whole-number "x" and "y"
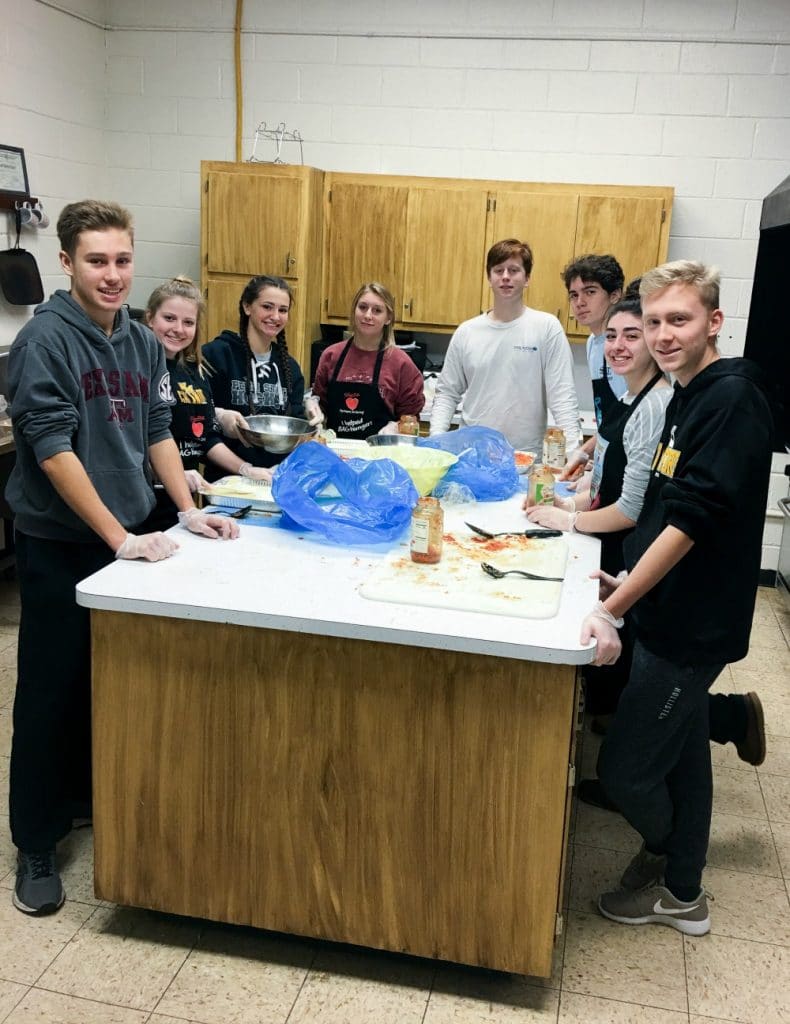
{"x": 90, "y": 404}
{"x": 691, "y": 591}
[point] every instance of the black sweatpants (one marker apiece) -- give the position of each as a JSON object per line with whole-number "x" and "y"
{"x": 51, "y": 747}
{"x": 655, "y": 761}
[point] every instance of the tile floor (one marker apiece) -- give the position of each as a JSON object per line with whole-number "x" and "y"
{"x": 99, "y": 964}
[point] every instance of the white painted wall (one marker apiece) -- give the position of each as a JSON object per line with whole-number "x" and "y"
{"x": 696, "y": 96}
{"x": 52, "y": 104}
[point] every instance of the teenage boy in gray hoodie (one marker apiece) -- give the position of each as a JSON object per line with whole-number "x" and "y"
{"x": 90, "y": 404}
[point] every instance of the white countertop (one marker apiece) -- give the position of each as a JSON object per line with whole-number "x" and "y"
{"x": 277, "y": 579}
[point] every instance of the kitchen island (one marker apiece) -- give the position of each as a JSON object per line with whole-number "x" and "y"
{"x": 273, "y": 749}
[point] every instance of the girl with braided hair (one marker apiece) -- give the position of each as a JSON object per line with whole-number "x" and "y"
{"x": 251, "y": 372}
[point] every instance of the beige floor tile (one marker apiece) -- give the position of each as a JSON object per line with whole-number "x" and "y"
{"x": 577, "y": 1009}
{"x": 637, "y": 965}
{"x": 594, "y": 871}
{"x": 769, "y": 685}
{"x": 605, "y": 830}
{"x": 768, "y": 635}
{"x": 776, "y": 790}
{"x": 126, "y": 956}
{"x": 5, "y": 731}
{"x": 777, "y": 758}
{"x": 738, "y": 980}
{"x": 469, "y": 996}
{"x": 726, "y": 755}
{"x": 40, "y": 1007}
{"x": 777, "y": 715}
{"x": 158, "y": 1018}
{"x": 737, "y": 792}
{"x": 7, "y": 684}
{"x": 742, "y": 844}
{"x": 765, "y": 614}
{"x": 346, "y": 987}
{"x": 753, "y": 907}
{"x": 28, "y": 945}
{"x": 75, "y": 861}
{"x": 10, "y": 994}
{"x": 723, "y": 683}
{"x": 781, "y": 834}
{"x": 239, "y": 976}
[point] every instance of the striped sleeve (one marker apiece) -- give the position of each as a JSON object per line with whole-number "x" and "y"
{"x": 642, "y": 434}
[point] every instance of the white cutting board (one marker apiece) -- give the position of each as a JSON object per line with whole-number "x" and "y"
{"x": 458, "y": 582}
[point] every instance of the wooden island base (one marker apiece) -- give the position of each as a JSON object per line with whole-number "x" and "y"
{"x": 390, "y": 796}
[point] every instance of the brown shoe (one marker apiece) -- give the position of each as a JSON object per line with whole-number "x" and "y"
{"x": 751, "y": 749}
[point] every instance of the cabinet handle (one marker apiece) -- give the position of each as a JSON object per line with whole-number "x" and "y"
{"x": 407, "y": 306}
{"x": 290, "y": 261}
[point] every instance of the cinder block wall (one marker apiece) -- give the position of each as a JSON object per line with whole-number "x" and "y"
{"x": 126, "y": 99}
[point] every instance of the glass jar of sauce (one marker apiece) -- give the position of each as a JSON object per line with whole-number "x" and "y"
{"x": 409, "y": 425}
{"x": 541, "y": 487}
{"x": 554, "y": 448}
{"x": 427, "y": 527}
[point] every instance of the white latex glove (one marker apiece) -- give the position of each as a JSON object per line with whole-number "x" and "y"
{"x": 312, "y": 410}
{"x": 153, "y": 547}
{"x": 194, "y": 480}
{"x": 246, "y": 469}
{"x": 554, "y": 518}
{"x": 574, "y": 465}
{"x": 602, "y": 625}
{"x": 230, "y": 421}
{"x": 213, "y": 526}
{"x": 607, "y": 584}
{"x": 581, "y": 483}
{"x": 390, "y": 428}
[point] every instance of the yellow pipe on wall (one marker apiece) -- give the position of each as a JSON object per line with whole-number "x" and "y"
{"x": 237, "y": 63}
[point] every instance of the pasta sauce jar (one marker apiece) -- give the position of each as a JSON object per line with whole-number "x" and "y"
{"x": 409, "y": 425}
{"x": 427, "y": 526}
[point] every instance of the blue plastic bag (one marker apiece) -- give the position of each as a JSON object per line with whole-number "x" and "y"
{"x": 374, "y": 503}
{"x": 485, "y": 463}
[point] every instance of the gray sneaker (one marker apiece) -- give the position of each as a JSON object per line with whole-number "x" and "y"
{"x": 38, "y": 889}
{"x": 644, "y": 870}
{"x": 656, "y": 905}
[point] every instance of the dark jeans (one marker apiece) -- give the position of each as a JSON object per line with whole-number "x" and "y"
{"x": 655, "y": 761}
{"x": 51, "y": 748}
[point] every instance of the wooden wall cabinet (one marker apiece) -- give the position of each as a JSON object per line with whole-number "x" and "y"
{"x": 261, "y": 219}
{"x": 424, "y": 238}
{"x": 427, "y": 238}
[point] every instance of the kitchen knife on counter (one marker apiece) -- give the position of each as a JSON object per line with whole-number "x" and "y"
{"x": 515, "y": 533}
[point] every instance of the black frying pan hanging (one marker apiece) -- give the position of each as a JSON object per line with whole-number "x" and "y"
{"x": 19, "y": 276}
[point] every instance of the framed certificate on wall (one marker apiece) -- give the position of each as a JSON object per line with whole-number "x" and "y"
{"x": 13, "y": 173}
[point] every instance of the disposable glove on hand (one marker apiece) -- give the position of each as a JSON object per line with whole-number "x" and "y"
{"x": 153, "y": 547}
{"x": 607, "y": 584}
{"x": 230, "y": 421}
{"x": 389, "y": 428}
{"x": 207, "y": 525}
{"x": 554, "y": 518}
{"x": 246, "y": 469}
{"x": 194, "y": 480}
{"x": 575, "y": 465}
{"x": 602, "y": 625}
{"x": 312, "y": 408}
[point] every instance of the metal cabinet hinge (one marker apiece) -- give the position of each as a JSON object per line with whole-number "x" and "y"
{"x": 571, "y": 776}
{"x": 663, "y": 215}
{"x": 559, "y": 924}
{"x": 205, "y": 187}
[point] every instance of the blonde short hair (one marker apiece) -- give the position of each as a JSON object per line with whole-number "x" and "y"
{"x": 705, "y": 279}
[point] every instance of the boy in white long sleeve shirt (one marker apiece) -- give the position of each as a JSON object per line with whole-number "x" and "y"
{"x": 511, "y": 365}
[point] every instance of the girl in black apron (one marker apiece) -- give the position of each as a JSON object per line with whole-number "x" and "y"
{"x": 348, "y": 380}
{"x": 597, "y": 512}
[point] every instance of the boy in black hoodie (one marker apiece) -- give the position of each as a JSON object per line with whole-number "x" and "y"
{"x": 90, "y": 404}
{"x": 695, "y": 560}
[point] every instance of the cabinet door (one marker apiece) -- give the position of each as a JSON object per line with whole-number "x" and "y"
{"x": 627, "y": 227}
{"x": 446, "y": 232}
{"x": 548, "y": 224}
{"x": 365, "y": 242}
{"x": 254, "y": 223}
